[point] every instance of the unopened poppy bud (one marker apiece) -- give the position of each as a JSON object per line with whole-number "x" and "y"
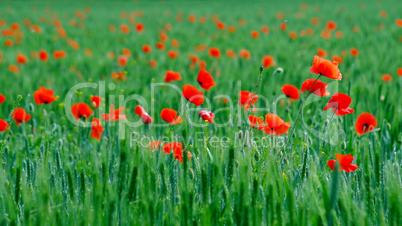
{"x": 240, "y": 134}
{"x": 261, "y": 69}
{"x": 389, "y": 126}
{"x": 191, "y": 174}
{"x": 279, "y": 70}
{"x": 31, "y": 107}
{"x": 343, "y": 145}
{"x": 310, "y": 141}
{"x": 93, "y": 104}
{"x": 382, "y": 98}
{"x": 237, "y": 164}
{"x": 19, "y": 98}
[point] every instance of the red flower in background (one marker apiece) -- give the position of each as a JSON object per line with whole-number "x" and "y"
{"x": 172, "y": 54}
{"x": 354, "y": 52}
{"x": 326, "y": 68}
{"x": 97, "y": 129}
{"x": 146, "y": 48}
{"x": 339, "y": 103}
{"x": 399, "y": 71}
{"x": 81, "y": 110}
{"x": 345, "y": 163}
{"x": 205, "y": 79}
{"x": 114, "y": 115}
{"x": 387, "y": 78}
{"x": 193, "y": 95}
{"x": 321, "y": 53}
{"x": 146, "y": 119}
{"x": 154, "y": 145}
{"x": 20, "y": 116}
{"x": 331, "y": 25}
{"x": 214, "y": 52}
{"x": 139, "y": 27}
{"x": 160, "y": 46}
{"x": 44, "y": 96}
{"x": 274, "y": 125}
{"x": 244, "y": 53}
{"x": 254, "y": 121}
{"x": 177, "y": 149}
{"x": 96, "y": 101}
{"x": 3, "y": 126}
{"x": 118, "y": 75}
{"x": 43, "y": 55}
{"x": 21, "y": 59}
{"x": 268, "y": 61}
{"x": 2, "y": 99}
{"x": 319, "y": 88}
{"x": 291, "y": 91}
{"x": 246, "y": 98}
{"x": 207, "y": 115}
{"x": 172, "y": 76}
{"x": 365, "y": 122}
{"x": 58, "y": 54}
{"x": 170, "y": 116}
{"x": 122, "y": 60}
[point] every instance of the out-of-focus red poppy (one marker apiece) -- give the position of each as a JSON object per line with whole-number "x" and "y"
{"x": 177, "y": 149}
{"x": 170, "y": 116}
{"x": 280, "y": 16}
{"x": 81, "y": 110}
{"x": 14, "y": 69}
{"x": 244, "y": 53}
{"x": 20, "y": 116}
{"x": 44, "y": 96}
{"x": 398, "y": 22}
{"x": 153, "y": 63}
{"x": 139, "y": 27}
{"x": 43, "y": 55}
{"x": 232, "y": 29}
{"x": 146, "y": 119}
{"x": 163, "y": 36}
{"x": 214, "y": 52}
{"x": 124, "y": 28}
{"x": 365, "y": 122}
{"x": 114, "y": 115}
{"x": 337, "y": 58}
{"x": 383, "y": 13}
{"x": 284, "y": 26}
{"x": 274, "y": 125}
{"x": 386, "y": 77}
{"x": 207, "y": 116}
{"x": 193, "y": 58}
{"x": 268, "y": 61}
{"x": 322, "y": 53}
{"x": 2, "y": 99}
{"x": 354, "y": 52}
{"x": 246, "y": 98}
{"x": 291, "y": 91}
{"x": 356, "y": 29}
{"x": 292, "y": 35}
{"x": 122, "y": 60}
{"x": 3, "y": 126}
{"x": 315, "y": 20}
{"x": 73, "y": 44}
{"x": 201, "y": 47}
{"x": 172, "y": 54}
{"x": 331, "y": 25}
{"x": 172, "y": 76}
{"x": 175, "y": 43}
{"x": 117, "y": 76}
{"x": 160, "y": 46}
{"x": 202, "y": 64}
{"x": 96, "y": 101}
{"x": 399, "y": 71}
{"x": 265, "y": 29}
{"x": 326, "y": 68}
{"x": 205, "y": 79}
{"x": 319, "y": 88}
{"x": 220, "y": 25}
{"x": 192, "y": 18}
{"x": 339, "y": 103}
{"x": 230, "y": 53}
{"x": 345, "y": 163}
{"x": 8, "y": 42}
{"x": 202, "y": 20}
{"x": 126, "y": 52}
{"x": 146, "y": 49}
{"x": 255, "y": 34}
{"x": 22, "y": 59}
{"x": 154, "y": 145}
{"x": 193, "y": 95}
{"x": 58, "y": 54}
{"x": 112, "y": 28}
{"x": 97, "y": 129}
{"x": 256, "y": 121}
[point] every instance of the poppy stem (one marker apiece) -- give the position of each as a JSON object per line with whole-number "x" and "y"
{"x": 325, "y": 129}
{"x": 298, "y": 115}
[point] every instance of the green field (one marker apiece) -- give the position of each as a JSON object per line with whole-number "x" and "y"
{"x": 54, "y": 171}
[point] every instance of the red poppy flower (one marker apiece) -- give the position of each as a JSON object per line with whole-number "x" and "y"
{"x": 274, "y": 125}
{"x": 255, "y": 34}
{"x": 246, "y": 98}
{"x": 160, "y": 46}
{"x": 365, "y": 122}
{"x": 354, "y": 52}
{"x": 21, "y": 59}
{"x": 146, "y": 119}
{"x": 193, "y": 58}
{"x": 339, "y": 103}
{"x": 139, "y": 27}
{"x": 326, "y": 68}
{"x": 43, "y": 55}
{"x": 146, "y": 48}
{"x": 230, "y": 53}
{"x": 387, "y": 78}
{"x": 265, "y": 29}
{"x": 14, "y": 69}
{"x": 172, "y": 54}
{"x": 154, "y": 145}
{"x": 3, "y": 126}
{"x": 170, "y": 116}
{"x": 172, "y": 76}
{"x": 254, "y": 121}
{"x": 177, "y": 149}
{"x": 122, "y": 60}
{"x": 96, "y": 101}
{"x": 193, "y": 95}
{"x": 345, "y": 163}
{"x": 232, "y": 29}
{"x": 114, "y": 115}
{"x": 291, "y": 91}
{"x": 201, "y": 47}
{"x": 97, "y": 129}
{"x": 205, "y": 79}
{"x": 2, "y": 99}
{"x": 399, "y": 71}
{"x": 175, "y": 43}
{"x": 58, "y": 54}
{"x": 292, "y": 35}
{"x": 214, "y": 52}
{"x": 268, "y": 61}
{"x": 20, "y": 116}
{"x": 220, "y": 25}
{"x": 44, "y": 96}
{"x": 207, "y": 115}
{"x": 331, "y": 25}
{"x": 119, "y": 75}
{"x": 319, "y": 88}
{"x": 284, "y": 26}
{"x": 338, "y": 59}
{"x": 126, "y": 52}
{"x": 81, "y": 110}
{"x": 244, "y": 53}
{"x": 321, "y": 53}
